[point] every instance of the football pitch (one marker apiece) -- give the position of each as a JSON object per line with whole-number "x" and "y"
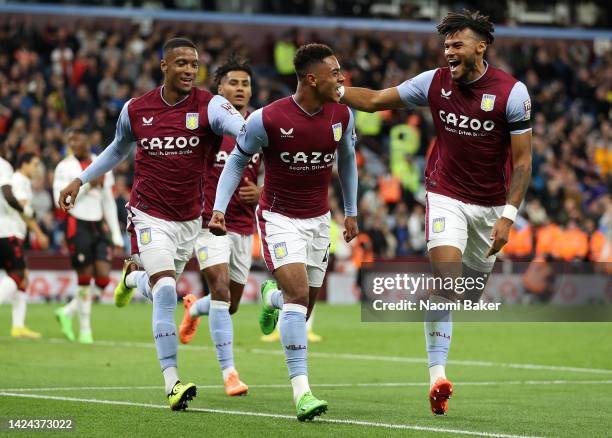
{"x": 527, "y": 379}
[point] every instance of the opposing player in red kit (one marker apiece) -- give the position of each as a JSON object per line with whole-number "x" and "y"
{"x": 225, "y": 260}
{"x": 173, "y": 127}
{"x": 299, "y": 136}
{"x": 477, "y": 173}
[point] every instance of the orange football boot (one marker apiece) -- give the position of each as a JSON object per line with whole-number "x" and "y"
{"x": 189, "y": 325}
{"x": 439, "y": 394}
{"x": 234, "y": 386}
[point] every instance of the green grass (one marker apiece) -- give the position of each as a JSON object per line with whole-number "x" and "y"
{"x": 124, "y": 356}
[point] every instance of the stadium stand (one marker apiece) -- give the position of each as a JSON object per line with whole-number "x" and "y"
{"x": 79, "y": 75}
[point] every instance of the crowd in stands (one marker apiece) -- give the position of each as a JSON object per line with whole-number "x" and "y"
{"x": 52, "y": 78}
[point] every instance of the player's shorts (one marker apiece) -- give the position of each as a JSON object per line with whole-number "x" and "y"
{"x": 11, "y": 254}
{"x": 88, "y": 242}
{"x": 233, "y": 249}
{"x": 287, "y": 240}
{"x": 161, "y": 245}
{"x": 465, "y": 226}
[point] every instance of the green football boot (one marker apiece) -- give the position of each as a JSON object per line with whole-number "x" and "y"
{"x": 124, "y": 294}
{"x": 180, "y": 395}
{"x": 269, "y": 315}
{"x": 308, "y": 407}
{"x": 85, "y": 338}
{"x": 65, "y": 323}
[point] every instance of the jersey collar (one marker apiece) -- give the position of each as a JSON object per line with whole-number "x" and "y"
{"x": 482, "y": 75}
{"x": 161, "y": 94}
{"x": 303, "y": 110}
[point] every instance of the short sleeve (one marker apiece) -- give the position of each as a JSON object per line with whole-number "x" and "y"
{"x": 518, "y": 109}
{"x": 413, "y": 92}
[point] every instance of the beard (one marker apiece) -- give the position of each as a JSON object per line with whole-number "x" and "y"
{"x": 469, "y": 66}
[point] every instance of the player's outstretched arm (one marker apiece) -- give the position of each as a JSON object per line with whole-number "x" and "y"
{"x": 114, "y": 154}
{"x": 410, "y": 93}
{"x": 347, "y": 171}
{"x": 249, "y": 141}
{"x": 370, "y": 101}
{"x": 224, "y": 118}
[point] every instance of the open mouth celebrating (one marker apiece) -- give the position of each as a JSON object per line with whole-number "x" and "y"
{"x": 454, "y": 64}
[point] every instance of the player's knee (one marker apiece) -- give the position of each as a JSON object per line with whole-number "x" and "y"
{"x": 220, "y": 291}
{"x": 297, "y": 295}
{"x": 155, "y": 278}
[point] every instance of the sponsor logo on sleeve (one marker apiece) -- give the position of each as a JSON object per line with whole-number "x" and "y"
{"x": 192, "y": 121}
{"x": 487, "y": 103}
{"x": 337, "y": 130}
{"x": 229, "y": 108}
{"x": 280, "y": 250}
{"x": 438, "y": 225}
{"x": 527, "y": 106}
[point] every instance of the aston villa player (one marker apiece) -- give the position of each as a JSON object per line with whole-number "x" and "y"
{"x": 300, "y": 136}
{"x": 477, "y": 173}
{"x": 173, "y": 127}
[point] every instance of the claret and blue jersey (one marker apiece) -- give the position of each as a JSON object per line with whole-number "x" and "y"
{"x": 171, "y": 146}
{"x": 470, "y": 160}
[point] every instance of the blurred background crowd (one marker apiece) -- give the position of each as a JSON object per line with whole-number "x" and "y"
{"x": 53, "y": 78}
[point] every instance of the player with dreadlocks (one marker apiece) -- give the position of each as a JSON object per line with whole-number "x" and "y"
{"x": 477, "y": 173}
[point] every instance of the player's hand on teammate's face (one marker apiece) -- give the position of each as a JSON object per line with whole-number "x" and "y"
{"x": 249, "y": 193}
{"x": 69, "y": 194}
{"x": 499, "y": 235}
{"x": 351, "y": 229}
{"x": 217, "y": 224}
{"x": 118, "y": 251}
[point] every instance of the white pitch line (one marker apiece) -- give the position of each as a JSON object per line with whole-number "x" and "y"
{"x": 350, "y": 356}
{"x": 268, "y": 415}
{"x": 321, "y": 385}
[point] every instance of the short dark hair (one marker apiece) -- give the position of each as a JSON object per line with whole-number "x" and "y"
{"x": 233, "y": 63}
{"x": 25, "y": 158}
{"x": 173, "y": 43}
{"x": 473, "y": 20}
{"x": 308, "y": 55}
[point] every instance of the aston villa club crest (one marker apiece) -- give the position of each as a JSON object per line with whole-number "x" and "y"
{"x": 337, "y": 130}
{"x": 438, "y": 225}
{"x": 487, "y": 102}
{"x": 192, "y": 121}
{"x": 280, "y": 250}
{"x": 145, "y": 236}
{"x": 203, "y": 254}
